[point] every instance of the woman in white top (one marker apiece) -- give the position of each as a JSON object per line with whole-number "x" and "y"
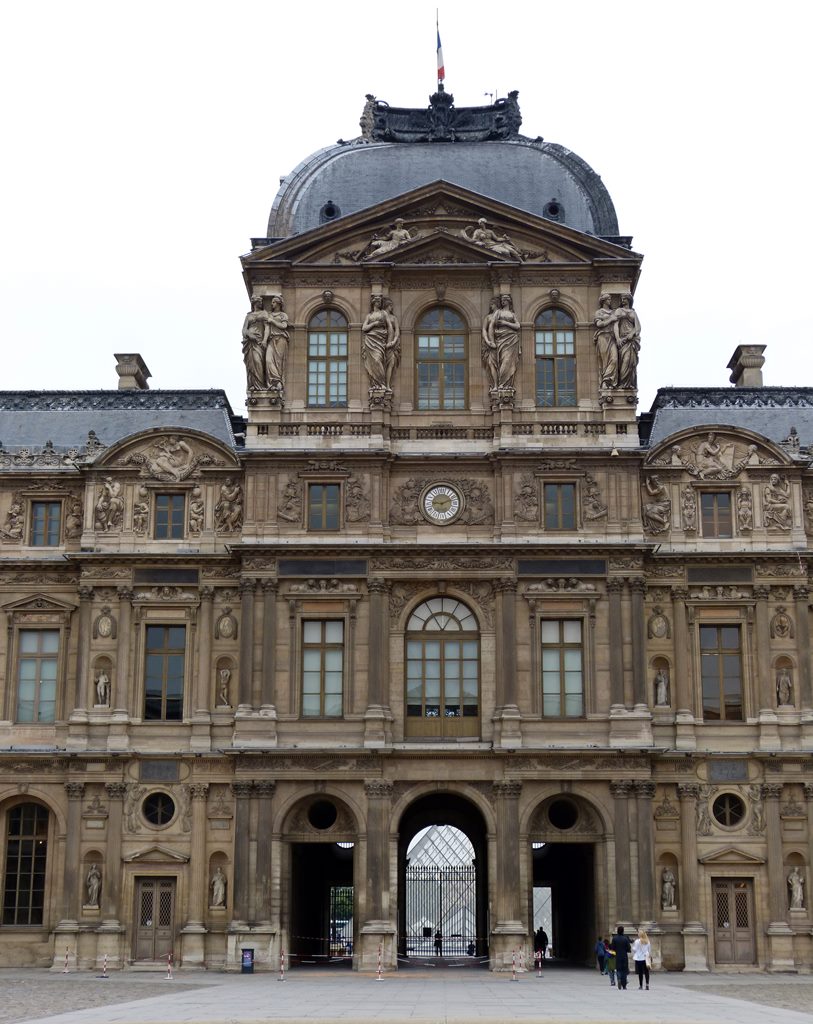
{"x": 641, "y": 954}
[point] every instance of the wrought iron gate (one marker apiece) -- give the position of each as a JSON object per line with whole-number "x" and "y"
{"x": 340, "y": 924}
{"x": 440, "y": 899}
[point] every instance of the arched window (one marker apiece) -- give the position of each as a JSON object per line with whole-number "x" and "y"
{"x": 26, "y": 853}
{"x": 555, "y": 349}
{"x": 327, "y": 360}
{"x": 443, "y": 670}
{"x": 440, "y": 360}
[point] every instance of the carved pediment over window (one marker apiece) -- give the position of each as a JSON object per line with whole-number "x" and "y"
{"x": 170, "y": 459}
{"x": 731, "y": 855}
{"x": 714, "y": 455}
{"x": 156, "y": 855}
{"x": 38, "y": 608}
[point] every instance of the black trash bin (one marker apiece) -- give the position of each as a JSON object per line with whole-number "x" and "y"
{"x": 247, "y": 961}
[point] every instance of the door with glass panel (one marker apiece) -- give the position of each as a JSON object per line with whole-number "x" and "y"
{"x": 155, "y": 918}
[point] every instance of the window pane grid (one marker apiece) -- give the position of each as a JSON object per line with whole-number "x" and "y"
{"x": 324, "y": 506}
{"x": 715, "y": 511}
{"x": 327, "y": 360}
{"x": 322, "y": 668}
{"x": 555, "y": 351}
{"x": 721, "y": 673}
{"x": 562, "y": 668}
{"x": 560, "y": 506}
{"x": 37, "y": 675}
{"x": 440, "y": 364}
{"x": 164, "y": 673}
{"x": 45, "y": 523}
{"x": 169, "y": 516}
{"x": 26, "y": 853}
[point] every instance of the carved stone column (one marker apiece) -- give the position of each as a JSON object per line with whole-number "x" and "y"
{"x": 808, "y": 790}
{"x": 80, "y": 692}
{"x": 694, "y": 934}
{"x": 264, "y": 790}
{"x": 242, "y": 842}
{"x": 620, "y": 792}
{"x": 767, "y": 698}
{"x": 71, "y": 883}
{"x": 508, "y": 732}
{"x": 639, "y": 682}
{"x": 780, "y": 935}
{"x": 247, "y": 588}
{"x": 110, "y": 931}
{"x": 682, "y": 695}
{"x": 508, "y": 933}
{"x": 202, "y": 695}
{"x": 615, "y": 589}
{"x": 268, "y": 688}
{"x": 120, "y": 697}
{"x": 801, "y": 597}
{"x": 377, "y": 717}
{"x": 194, "y": 951}
{"x": 644, "y": 792}
{"x": 378, "y": 927}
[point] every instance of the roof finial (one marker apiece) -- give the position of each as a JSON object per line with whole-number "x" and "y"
{"x": 441, "y": 68}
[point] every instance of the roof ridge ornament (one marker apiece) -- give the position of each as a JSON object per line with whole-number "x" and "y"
{"x": 441, "y": 121}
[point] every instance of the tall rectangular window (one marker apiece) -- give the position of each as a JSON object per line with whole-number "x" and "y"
{"x": 46, "y": 518}
{"x": 164, "y": 673}
{"x": 26, "y": 857}
{"x": 555, "y": 351}
{"x": 322, "y": 668}
{"x": 562, "y": 668}
{"x": 169, "y": 516}
{"x": 560, "y": 506}
{"x": 721, "y": 672}
{"x": 36, "y": 675}
{"x": 324, "y": 506}
{"x": 440, "y": 360}
{"x": 327, "y": 360}
{"x": 715, "y": 513}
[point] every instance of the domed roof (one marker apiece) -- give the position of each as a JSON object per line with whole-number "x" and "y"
{"x": 476, "y": 147}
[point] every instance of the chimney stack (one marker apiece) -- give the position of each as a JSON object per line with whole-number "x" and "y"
{"x": 132, "y": 371}
{"x": 746, "y": 366}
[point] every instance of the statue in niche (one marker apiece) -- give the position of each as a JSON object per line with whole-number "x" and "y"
{"x": 628, "y": 336}
{"x": 93, "y": 885}
{"x": 255, "y": 342}
{"x": 390, "y": 240}
{"x": 218, "y": 885}
{"x": 196, "y": 511}
{"x": 276, "y": 351}
{"x": 745, "y": 510}
{"x": 15, "y": 522}
{"x": 656, "y": 513}
{"x": 776, "y": 504}
{"x": 668, "y": 890}
{"x": 224, "y": 678}
{"x": 688, "y": 509}
{"x": 103, "y": 689}
{"x": 375, "y": 333}
{"x": 661, "y": 688}
{"x": 73, "y": 519}
{"x": 141, "y": 511}
{"x": 500, "y": 245}
{"x": 229, "y": 510}
{"x": 501, "y": 343}
{"x": 606, "y": 343}
{"x": 796, "y": 883}
{"x": 784, "y": 687}
{"x": 109, "y": 510}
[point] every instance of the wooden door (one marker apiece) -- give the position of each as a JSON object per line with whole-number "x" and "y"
{"x": 734, "y": 921}
{"x": 155, "y": 918}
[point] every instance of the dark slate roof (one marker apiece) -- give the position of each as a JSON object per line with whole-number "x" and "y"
{"x": 771, "y": 411}
{"x": 524, "y": 173}
{"x": 31, "y": 419}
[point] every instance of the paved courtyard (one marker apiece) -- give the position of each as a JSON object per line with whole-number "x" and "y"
{"x": 420, "y": 995}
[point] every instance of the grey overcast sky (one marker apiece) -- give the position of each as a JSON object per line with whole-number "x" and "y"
{"x": 142, "y": 146}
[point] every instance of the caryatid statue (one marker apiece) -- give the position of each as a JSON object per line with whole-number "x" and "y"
{"x": 265, "y": 345}
{"x": 501, "y": 343}
{"x": 381, "y": 343}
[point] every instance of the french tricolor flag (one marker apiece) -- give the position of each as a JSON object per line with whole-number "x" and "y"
{"x": 441, "y": 69}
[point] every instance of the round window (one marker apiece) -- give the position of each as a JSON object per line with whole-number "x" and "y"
{"x": 563, "y": 814}
{"x": 158, "y": 808}
{"x": 322, "y": 814}
{"x": 728, "y": 810}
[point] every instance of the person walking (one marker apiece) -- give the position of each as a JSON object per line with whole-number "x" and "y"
{"x": 601, "y": 954}
{"x": 609, "y": 960}
{"x": 623, "y": 947}
{"x": 642, "y": 957}
{"x": 438, "y": 943}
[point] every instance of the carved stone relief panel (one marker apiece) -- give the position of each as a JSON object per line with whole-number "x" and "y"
{"x": 170, "y": 459}
{"x": 715, "y": 456}
{"x": 289, "y": 509}
{"x": 13, "y": 528}
{"x": 478, "y": 510}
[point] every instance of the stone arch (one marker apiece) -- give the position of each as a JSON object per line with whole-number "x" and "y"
{"x": 591, "y": 818}
{"x": 300, "y": 819}
{"x": 477, "y": 794}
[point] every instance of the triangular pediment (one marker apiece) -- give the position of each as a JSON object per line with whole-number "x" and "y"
{"x": 731, "y": 855}
{"x": 156, "y": 855}
{"x": 38, "y": 604}
{"x": 439, "y": 223}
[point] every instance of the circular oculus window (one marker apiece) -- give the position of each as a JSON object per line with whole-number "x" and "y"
{"x": 728, "y": 810}
{"x": 158, "y": 809}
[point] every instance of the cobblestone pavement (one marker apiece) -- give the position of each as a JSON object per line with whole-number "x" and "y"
{"x": 430, "y": 997}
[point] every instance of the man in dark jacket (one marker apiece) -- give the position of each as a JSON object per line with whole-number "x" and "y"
{"x": 623, "y": 947}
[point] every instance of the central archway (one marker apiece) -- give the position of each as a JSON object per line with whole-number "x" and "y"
{"x": 446, "y": 889}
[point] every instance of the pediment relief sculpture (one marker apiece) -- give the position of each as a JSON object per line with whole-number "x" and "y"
{"x": 171, "y": 459}
{"x": 388, "y": 240}
{"x": 500, "y": 246}
{"x": 715, "y": 456}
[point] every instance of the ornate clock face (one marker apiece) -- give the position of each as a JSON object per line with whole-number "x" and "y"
{"x": 441, "y": 503}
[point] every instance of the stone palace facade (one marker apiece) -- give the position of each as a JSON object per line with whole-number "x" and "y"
{"x": 442, "y": 573}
